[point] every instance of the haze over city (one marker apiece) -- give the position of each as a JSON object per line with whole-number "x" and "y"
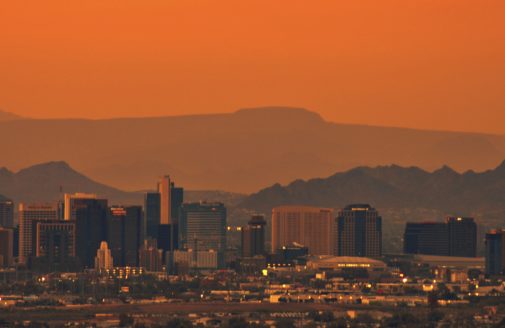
{"x": 252, "y": 163}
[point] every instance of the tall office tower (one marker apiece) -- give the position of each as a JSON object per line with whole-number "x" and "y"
{"x": 462, "y": 236}
{"x": 164, "y": 186}
{"x": 429, "y": 238}
{"x": 495, "y": 252}
{"x": 253, "y": 237}
{"x": 171, "y": 199}
{"x": 312, "y": 227}
{"x": 152, "y": 207}
{"x": 124, "y": 229}
{"x": 54, "y": 246}
{"x": 71, "y": 203}
{"x": 27, "y": 215}
{"x": 6, "y": 243}
{"x": 203, "y": 226}
{"x": 7, "y": 213}
{"x": 103, "y": 259}
{"x": 90, "y": 228}
{"x": 359, "y": 231}
{"x": 150, "y": 257}
{"x": 15, "y": 248}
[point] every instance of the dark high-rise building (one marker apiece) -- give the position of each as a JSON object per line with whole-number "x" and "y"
{"x": 429, "y": 238}
{"x": 54, "y": 246}
{"x": 6, "y": 245}
{"x": 462, "y": 236}
{"x": 455, "y": 237}
{"x": 171, "y": 199}
{"x": 176, "y": 200}
{"x": 152, "y": 214}
{"x": 91, "y": 228}
{"x": 7, "y": 213}
{"x": 495, "y": 252}
{"x": 124, "y": 229}
{"x": 359, "y": 231}
{"x": 203, "y": 226}
{"x": 253, "y": 237}
{"x": 15, "y": 248}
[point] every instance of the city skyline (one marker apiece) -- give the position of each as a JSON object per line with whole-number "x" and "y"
{"x": 252, "y": 163}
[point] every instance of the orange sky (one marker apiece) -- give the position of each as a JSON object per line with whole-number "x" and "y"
{"x": 425, "y": 64}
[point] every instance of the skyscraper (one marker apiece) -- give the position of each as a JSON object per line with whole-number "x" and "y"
{"x": 6, "y": 247}
{"x": 91, "y": 228}
{"x": 429, "y": 238}
{"x": 164, "y": 186}
{"x": 152, "y": 208}
{"x": 462, "y": 236}
{"x": 103, "y": 258}
{"x": 27, "y": 215}
{"x": 203, "y": 226}
{"x": 312, "y": 227}
{"x": 454, "y": 237}
{"x": 171, "y": 199}
{"x": 495, "y": 252}
{"x": 253, "y": 237}
{"x": 54, "y": 246}
{"x": 124, "y": 227}
{"x": 71, "y": 203}
{"x": 7, "y": 213}
{"x": 359, "y": 231}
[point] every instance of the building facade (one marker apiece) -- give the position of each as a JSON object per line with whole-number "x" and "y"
{"x": 455, "y": 237}
{"x": 203, "y": 226}
{"x": 253, "y": 237}
{"x": 171, "y": 199}
{"x": 103, "y": 259}
{"x": 6, "y": 247}
{"x": 429, "y": 238}
{"x": 152, "y": 208}
{"x": 150, "y": 257}
{"x": 462, "y": 236}
{"x": 7, "y": 213}
{"x": 359, "y": 231}
{"x": 495, "y": 252}
{"x": 28, "y": 214}
{"x": 54, "y": 246}
{"x": 312, "y": 227}
{"x": 124, "y": 234}
{"x": 91, "y": 228}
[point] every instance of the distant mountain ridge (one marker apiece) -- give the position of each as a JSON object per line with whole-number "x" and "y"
{"x": 48, "y": 181}
{"x": 7, "y": 116}
{"x": 242, "y": 151}
{"x": 393, "y": 186}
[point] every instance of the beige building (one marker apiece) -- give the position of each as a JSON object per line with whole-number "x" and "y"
{"x": 164, "y": 186}
{"x": 103, "y": 259}
{"x": 312, "y": 227}
{"x": 27, "y": 215}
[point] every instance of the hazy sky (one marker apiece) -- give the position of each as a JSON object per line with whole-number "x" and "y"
{"x": 425, "y": 64}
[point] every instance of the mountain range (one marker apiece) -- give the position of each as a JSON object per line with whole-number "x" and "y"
{"x": 400, "y": 193}
{"x": 7, "y": 116}
{"x": 394, "y": 187}
{"x": 242, "y": 151}
{"x": 46, "y": 182}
